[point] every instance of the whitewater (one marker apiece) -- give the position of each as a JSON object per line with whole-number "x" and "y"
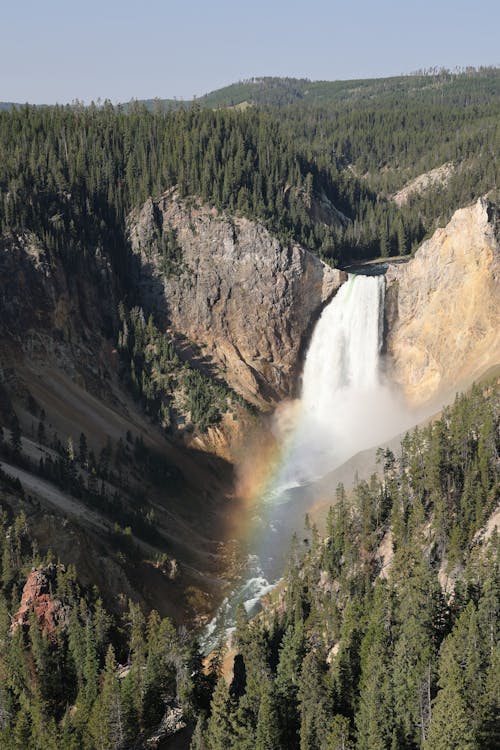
{"x": 346, "y": 406}
{"x": 340, "y": 381}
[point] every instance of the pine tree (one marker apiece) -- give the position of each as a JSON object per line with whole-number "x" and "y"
{"x": 489, "y": 719}
{"x": 291, "y": 654}
{"x": 198, "y": 738}
{"x": 15, "y": 432}
{"x": 419, "y": 614}
{"x": 268, "y": 735}
{"x": 314, "y": 705}
{"x": 339, "y": 737}
{"x": 107, "y": 720}
{"x": 91, "y": 666}
{"x": 452, "y": 722}
{"x": 22, "y": 729}
{"x": 83, "y": 449}
{"x": 375, "y": 715}
{"x": 220, "y": 733}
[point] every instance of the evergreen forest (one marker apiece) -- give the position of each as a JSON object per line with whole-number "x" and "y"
{"x": 367, "y": 651}
{"x": 322, "y": 176}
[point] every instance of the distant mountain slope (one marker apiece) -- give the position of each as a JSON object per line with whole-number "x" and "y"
{"x": 471, "y": 87}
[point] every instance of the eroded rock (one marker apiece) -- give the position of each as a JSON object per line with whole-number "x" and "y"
{"x": 443, "y": 307}
{"x": 37, "y": 598}
{"x": 248, "y": 300}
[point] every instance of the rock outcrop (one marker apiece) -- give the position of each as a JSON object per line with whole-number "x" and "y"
{"x": 37, "y": 599}
{"x": 246, "y": 299}
{"x": 434, "y": 178}
{"x": 173, "y": 722}
{"x": 443, "y": 307}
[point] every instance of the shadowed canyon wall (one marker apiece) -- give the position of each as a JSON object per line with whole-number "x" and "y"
{"x": 246, "y": 299}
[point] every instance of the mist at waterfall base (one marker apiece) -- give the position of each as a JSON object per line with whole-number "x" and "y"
{"x": 346, "y": 406}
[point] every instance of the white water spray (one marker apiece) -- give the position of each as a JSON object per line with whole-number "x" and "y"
{"x": 345, "y": 347}
{"x": 345, "y": 405}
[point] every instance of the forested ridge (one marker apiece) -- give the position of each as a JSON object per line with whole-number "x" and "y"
{"x": 71, "y": 174}
{"x": 462, "y": 87}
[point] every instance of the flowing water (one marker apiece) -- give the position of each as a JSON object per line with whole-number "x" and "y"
{"x": 345, "y": 407}
{"x": 341, "y": 373}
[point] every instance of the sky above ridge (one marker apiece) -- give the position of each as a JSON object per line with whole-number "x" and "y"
{"x": 53, "y": 51}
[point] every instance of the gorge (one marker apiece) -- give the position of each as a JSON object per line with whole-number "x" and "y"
{"x": 188, "y": 367}
{"x": 346, "y": 405}
{"x": 348, "y": 401}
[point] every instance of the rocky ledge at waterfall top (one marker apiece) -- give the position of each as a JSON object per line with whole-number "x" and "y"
{"x": 443, "y": 307}
{"x": 246, "y": 299}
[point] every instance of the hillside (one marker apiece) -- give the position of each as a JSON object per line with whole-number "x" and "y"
{"x": 469, "y": 87}
{"x": 385, "y": 631}
{"x": 321, "y": 177}
{"x": 104, "y": 484}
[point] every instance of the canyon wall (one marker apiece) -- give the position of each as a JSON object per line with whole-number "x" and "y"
{"x": 443, "y": 307}
{"x": 246, "y": 299}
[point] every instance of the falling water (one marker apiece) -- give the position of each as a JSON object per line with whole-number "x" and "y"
{"x": 341, "y": 379}
{"x": 345, "y": 407}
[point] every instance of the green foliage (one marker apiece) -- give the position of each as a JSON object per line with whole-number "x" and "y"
{"x": 466, "y": 87}
{"x": 63, "y": 687}
{"x": 268, "y": 734}
{"x": 169, "y": 388}
{"x": 72, "y": 174}
{"x": 368, "y": 658}
{"x": 220, "y": 733}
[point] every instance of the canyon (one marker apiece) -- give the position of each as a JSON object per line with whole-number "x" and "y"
{"x": 62, "y": 376}
{"x": 241, "y": 306}
{"x": 250, "y": 400}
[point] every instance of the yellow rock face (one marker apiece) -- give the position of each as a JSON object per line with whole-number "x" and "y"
{"x": 443, "y": 308}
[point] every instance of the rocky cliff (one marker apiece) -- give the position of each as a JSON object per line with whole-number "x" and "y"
{"x": 443, "y": 307}
{"x": 55, "y": 310}
{"x": 246, "y": 299}
{"x": 244, "y": 303}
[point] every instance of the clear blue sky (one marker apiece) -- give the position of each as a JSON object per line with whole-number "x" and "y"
{"x": 52, "y": 50}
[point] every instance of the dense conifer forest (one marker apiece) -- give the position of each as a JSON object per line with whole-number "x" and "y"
{"x": 71, "y": 174}
{"x": 361, "y": 650}
{"x": 77, "y": 676}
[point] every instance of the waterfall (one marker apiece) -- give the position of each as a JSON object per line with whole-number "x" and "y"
{"x": 345, "y": 347}
{"x": 345, "y": 407}
{"x": 340, "y": 384}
